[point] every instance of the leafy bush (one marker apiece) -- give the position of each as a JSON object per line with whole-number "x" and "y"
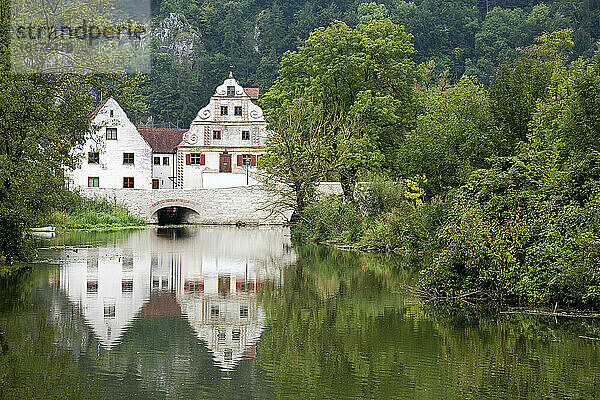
{"x": 406, "y": 228}
{"x": 330, "y": 219}
{"x": 524, "y": 231}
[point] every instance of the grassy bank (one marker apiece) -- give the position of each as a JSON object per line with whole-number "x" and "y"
{"x": 81, "y": 213}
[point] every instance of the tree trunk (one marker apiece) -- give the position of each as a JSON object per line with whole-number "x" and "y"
{"x": 348, "y": 182}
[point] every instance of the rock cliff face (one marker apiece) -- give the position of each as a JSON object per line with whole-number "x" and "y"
{"x": 176, "y": 37}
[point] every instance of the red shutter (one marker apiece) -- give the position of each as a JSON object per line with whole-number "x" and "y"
{"x": 253, "y": 161}
{"x": 203, "y": 159}
{"x": 240, "y": 160}
{"x": 188, "y": 159}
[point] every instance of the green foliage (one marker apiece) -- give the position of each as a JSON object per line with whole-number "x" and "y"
{"x": 452, "y": 136}
{"x": 460, "y": 36}
{"x": 297, "y": 154}
{"x": 353, "y": 76}
{"x": 331, "y": 219}
{"x": 42, "y": 118}
{"x": 524, "y": 230}
{"x": 80, "y": 213}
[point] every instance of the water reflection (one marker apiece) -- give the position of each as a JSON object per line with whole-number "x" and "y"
{"x": 211, "y": 276}
{"x": 187, "y": 308}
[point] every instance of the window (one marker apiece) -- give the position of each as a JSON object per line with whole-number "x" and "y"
{"x": 244, "y": 312}
{"x": 92, "y": 265}
{"x": 156, "y": 160}
{"x": 93, "y": 158}
{"x": 127, "y": 286}
{"x": 196, "y": 286}
{"x": 127, "y": 158}
{"x": 237, "y": 111}
{"x": 109, "y": 311}
{"x": 92, "y": 287}
{"x": 230, "y": 91}
{"x": 214, "y": 311}
{"x": 112, "y": 113}
{"x": 111, "y": 133}
{"x": 221, "y": 336}
{"x": 93, "y": 181}
{"x": 246, "y": 159}
{"x": 228, "y": 354}
{"x": 155, "y": 184}
{"x": 224, "y": 110}
{"x": 127, "y": 263}
{"x": 245, "y": 135}
{"x": 217, "y": 135}
{"x": 165, "y": 160}
{"x": 196, "y": 158}
{"x": 127, "y": 183}
{"x": 235, "y": 335}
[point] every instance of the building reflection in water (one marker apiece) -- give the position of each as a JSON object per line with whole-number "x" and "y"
{"x": 208, "y": 275}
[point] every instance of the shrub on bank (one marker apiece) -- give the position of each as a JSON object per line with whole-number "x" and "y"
{"x": 79, "y": 212}
{"x": 330, "y": 219}
{"x": 524, "y": 231}
{"x": 385, "y": 215}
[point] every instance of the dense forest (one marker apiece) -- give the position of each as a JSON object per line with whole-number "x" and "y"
{"x": 195, "y": 43}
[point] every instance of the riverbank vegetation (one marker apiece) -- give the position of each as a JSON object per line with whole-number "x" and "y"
{"x": 499, "y": 186}
{"x": 80, "y": 213}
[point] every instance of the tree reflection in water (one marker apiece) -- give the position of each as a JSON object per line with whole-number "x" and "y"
{"x": 157, "y": 314}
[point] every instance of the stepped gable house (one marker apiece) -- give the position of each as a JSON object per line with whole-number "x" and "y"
{"x": 224, "y": 142}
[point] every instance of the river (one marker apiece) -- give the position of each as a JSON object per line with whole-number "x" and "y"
{"x": 241, "y": 313}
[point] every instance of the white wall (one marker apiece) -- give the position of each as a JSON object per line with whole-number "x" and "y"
{"x": 216, "y": 180}
{"x": 208, "y": 177}
{"x": 111, "y": 169}
{"x": 164, "y": 172}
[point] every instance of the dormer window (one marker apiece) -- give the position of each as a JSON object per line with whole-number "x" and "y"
{"x": 230, "y": 91}
{"x": 112, "y": 113}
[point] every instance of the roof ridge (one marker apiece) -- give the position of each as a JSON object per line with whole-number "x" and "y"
{"x": 99, "y": 107}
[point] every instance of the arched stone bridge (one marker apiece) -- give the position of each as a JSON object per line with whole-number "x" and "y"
{"x": 246, "y": 204}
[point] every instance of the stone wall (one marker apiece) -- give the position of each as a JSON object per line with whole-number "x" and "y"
{"x": 248, "y": 204}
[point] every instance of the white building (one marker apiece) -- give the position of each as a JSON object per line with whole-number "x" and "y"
{"x": 164, "y": 144}
{"x": 221, "y": 149}
{"x": 224, "y": 142}
{"x": 116, "y": 155}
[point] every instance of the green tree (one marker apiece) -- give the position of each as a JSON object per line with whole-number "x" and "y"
{"x": 297, "y": 151}
{"x": 42, "y": 118}
{"x": 520, "y": 85}
{"x": 451, "y": 138}
{"x": 350, "y": 74}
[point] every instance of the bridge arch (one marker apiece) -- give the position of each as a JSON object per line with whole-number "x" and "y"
{"x": 174, "y": 211}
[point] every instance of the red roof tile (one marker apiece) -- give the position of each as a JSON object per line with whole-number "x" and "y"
{"x": 162, "y": 140}
{"x": 252, "y": 92}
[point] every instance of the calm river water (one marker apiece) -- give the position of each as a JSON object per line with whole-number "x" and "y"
{"x": 227, "y": 313}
